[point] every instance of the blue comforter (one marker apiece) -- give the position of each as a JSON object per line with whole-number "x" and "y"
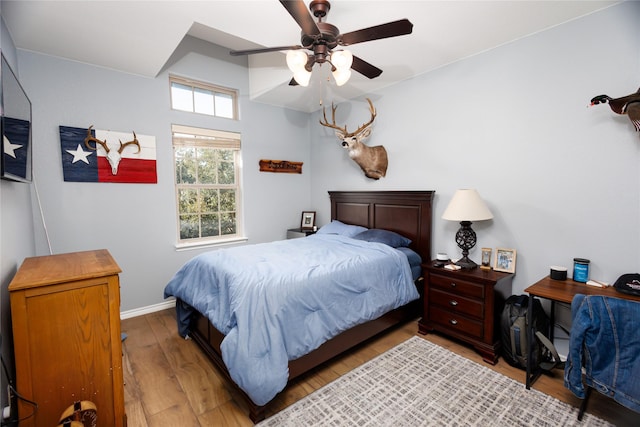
{"x": 278, "y": 301}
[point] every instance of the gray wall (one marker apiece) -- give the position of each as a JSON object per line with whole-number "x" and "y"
{"x": 561, "y": 179}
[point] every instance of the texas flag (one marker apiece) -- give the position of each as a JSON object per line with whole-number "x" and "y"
{"x": 93, "y": 155}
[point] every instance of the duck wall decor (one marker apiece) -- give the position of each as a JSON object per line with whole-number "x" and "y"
{"x": 629, "y": 105}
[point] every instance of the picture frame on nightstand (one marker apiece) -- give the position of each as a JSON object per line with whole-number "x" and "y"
{"x": 485, "y": 262}
{"x": 308, "y": 220}
{"x": 505, "y": 260}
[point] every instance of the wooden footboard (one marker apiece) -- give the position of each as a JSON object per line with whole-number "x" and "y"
{"x": 209, "y": 339}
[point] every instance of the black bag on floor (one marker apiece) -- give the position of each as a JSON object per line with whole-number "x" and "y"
{"x": 514, "y": 335}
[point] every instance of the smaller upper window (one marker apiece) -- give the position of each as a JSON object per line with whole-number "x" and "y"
{"x": 203, "y": 98}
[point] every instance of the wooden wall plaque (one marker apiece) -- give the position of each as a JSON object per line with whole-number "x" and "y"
{"x": 280, "y": 166}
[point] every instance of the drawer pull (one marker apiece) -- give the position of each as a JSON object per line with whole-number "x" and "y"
{"x": 453, "y": 284}
{"x": 453, "y": 303}
{"x": 453, "y": 321}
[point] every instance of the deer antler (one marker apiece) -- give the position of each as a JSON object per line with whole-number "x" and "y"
{"x": 373, "y": 117}
{"x": 134, "y": 141}
{"x": 96, "y": 141}
{"x": 333, "y": 119}
{"x": 344, "y": 129}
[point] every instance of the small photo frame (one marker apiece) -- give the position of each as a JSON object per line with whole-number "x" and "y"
{"x": 486, "y": 259}
{"x": 505, "y": 260}
{"x": 308, "y": 220}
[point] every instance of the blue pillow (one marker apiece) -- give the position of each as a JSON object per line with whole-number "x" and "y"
{"x": 337, "y": 227}
{"x": 387, "y": 237}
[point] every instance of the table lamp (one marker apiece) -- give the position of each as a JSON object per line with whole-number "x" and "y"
{"x": 466, "y": 206}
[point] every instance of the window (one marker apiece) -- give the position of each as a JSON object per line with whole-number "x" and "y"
{"x": 203, "y": 98}
{"x": 207, "y": 174}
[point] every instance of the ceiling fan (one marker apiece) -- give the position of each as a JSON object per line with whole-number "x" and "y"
{"x": 321, "y": 38}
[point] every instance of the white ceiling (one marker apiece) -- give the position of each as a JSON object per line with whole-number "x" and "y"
{"x": 139, "y": 36}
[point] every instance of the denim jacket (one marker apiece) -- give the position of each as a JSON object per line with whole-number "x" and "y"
{"x": 605, "y": 335}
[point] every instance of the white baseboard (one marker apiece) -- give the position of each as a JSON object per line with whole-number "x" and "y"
{"x": 148, "y": 309}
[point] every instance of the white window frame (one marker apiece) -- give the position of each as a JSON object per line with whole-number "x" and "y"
{"x": 216, "y": 139}
{"x": 194, "y": 85}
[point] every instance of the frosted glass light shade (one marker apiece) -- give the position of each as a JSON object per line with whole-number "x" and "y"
{"x": 466, "y": 205}
{"x": 341, "y": 76}
{"x": 296, "y": 60}
{"x": 342, "y": 59}
{"x": 302, "y": 77}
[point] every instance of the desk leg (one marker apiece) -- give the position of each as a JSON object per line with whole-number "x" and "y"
{"x": 531, "y": 375}
{"x": 529, "y": 334}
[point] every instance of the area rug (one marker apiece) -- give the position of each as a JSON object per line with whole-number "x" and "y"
{"x": 418, "y": 383}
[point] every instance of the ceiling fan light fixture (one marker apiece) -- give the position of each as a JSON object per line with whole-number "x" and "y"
{"x": 342, "y": 59}
{"x": 296, "y": 60}
{"x": 341, "y": 76}
{"x": 302, "y": 77}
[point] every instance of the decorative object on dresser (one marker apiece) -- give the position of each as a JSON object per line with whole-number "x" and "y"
{"x": 308, "y": 221}
{"x": 466, "y": 304}
{"x": 372, "y": 160}
{"x": 485, "y": 263}
{"x": 65, "y": 311}
{"x": 466, "y": 206}
{"x": 505, "y": 260}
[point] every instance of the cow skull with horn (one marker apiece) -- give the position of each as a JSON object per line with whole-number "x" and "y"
{"x": 372, "y": 160}
{"x": 113, "y": 156}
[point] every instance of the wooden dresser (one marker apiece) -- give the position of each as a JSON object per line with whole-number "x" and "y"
{"x": 466, "y": 305}
{"x": 65, "y": 311}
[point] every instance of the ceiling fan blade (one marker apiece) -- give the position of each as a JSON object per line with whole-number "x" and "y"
{"x": 364, "y": 68}
{"x": 262, "y": 50}
{"x": 382, "y": 31}
{"x": 298, "y": 10}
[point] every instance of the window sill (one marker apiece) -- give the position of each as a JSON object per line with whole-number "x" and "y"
{"x": 209, "y": 244}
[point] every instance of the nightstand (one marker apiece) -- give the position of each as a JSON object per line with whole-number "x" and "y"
{"x": 294, "y": 233}
{"x": 466, "y": 304}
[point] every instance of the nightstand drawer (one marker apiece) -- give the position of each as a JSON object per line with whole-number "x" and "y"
{"x": 457, "y": 304}
{"x": 456, "y": 322}
{"x": 460, "y": 287}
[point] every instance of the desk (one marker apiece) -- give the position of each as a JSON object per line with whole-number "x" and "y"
{"x": 561, "y": 291}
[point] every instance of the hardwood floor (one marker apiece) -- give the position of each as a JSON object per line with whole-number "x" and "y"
{"x": 169, "y": 382}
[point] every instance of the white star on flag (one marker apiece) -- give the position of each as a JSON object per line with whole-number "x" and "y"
{"x": 79, "y": 154}
{"x": 9, "y": 148}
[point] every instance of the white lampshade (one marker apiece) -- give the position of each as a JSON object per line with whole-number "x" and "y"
{"x": 466, "y": 205}
{"x": 341, "y": 76}
{"x": 342, "y": 59}
{"x": 296, "y": 60}
{"x": 302, "y": 77}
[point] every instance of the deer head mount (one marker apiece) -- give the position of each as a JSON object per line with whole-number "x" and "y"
{"x": 113, "y": 156}
{"x": 372, "y": 160}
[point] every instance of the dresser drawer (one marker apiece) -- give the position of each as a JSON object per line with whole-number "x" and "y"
{"x": 457, "y": 304}
{"x": 456, "y": 322}
{"x": 455, "y": 285}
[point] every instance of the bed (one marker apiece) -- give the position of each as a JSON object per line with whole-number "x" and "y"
{"x": 407, "y": 213}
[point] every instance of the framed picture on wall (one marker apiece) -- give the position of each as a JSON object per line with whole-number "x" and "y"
{"x": 505, "y": 260}
{"x": 308, "y": 220}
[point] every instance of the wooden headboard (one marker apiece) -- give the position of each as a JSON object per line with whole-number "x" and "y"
{"x": 405, "y": 212}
